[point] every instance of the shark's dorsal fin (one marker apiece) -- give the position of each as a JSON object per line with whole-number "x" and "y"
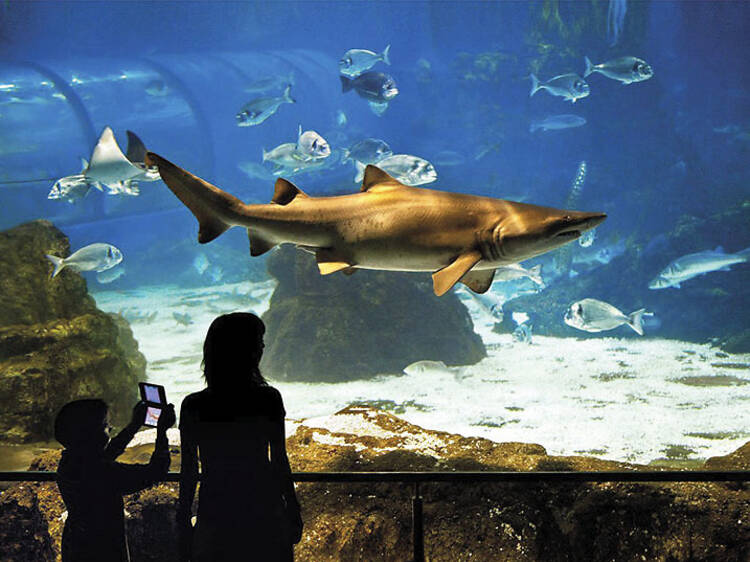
{"x": 374, "y": 177}
{"x": 136, "y": 149}
{"x": 479, "y": 281}
{"x": 285, "y": 191}
{"x": 444, "y": 279}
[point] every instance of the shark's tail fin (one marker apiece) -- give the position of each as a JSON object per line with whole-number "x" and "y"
{"x": 346, "y": 83}
{"x": 384, "y": 56}
{"x": 635, "y": 320}
{"x": 59, "y": 264}
{"x": 210, "y": 205}
{"x": 535, "y": 86}
{"x": 589, "y": 67}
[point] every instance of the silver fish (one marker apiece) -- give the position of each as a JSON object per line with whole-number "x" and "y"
{"x": 691, "y": 265}
{"x": 625, "y": 69}
{"x": 94, "y": 257}
{"x": 110, "y": 275}
{"x": 409, "y": 170}
{"x": 516, "y": 271}
{"x": 557, "y": 122}
{"x": 284, "y": 155}
{"x": 356, "y": 61}
{"x": 449, "y": 158}
{"x": 311, "y": 145}
{"x": 75, "y": 187}
{"x": 593, "y": 315}
{"x": 182, "y": 319}
{"x": 368, "y": 151}
{"x": 260, "y": 109}
{"x": 268, "y": 83}
{"x": 569, "y": 86}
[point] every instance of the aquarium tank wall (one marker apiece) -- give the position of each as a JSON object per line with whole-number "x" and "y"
{"x": 602, "y": 314}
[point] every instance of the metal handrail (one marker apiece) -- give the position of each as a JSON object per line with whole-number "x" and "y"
{"x": 417, "y": 478}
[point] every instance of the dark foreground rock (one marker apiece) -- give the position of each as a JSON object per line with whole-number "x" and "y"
{"x": 338, "y": 327}
{"x": 55, "y": 345}
{"x": 712, "y": 307}
{"x": 486, "y": 522}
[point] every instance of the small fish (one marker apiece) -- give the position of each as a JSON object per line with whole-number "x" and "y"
{"x": 449, "y": 158}
{"x": 569, "y": 86}
{"x": 602, "y": 256}
{"x": 75, "y": 187}
{"x": 156, "y": 88}
{"x": 255, "y": 171}
{"x": 408, "y": 169}
{"x": 593, "y": 315}
{"x": 268, "y": 83}
{"x": 517, "y": 271}
{"x": 341, "y": 118}
{"x": 201, "y": 263}
{"x": 216, "y": 274}
{"x": 522, "y": 334}
{"x": 260, "y": 109}
{"x": 484, "y": 150}
{"x": 587, "y": 238}
{"x": 356, "y": 61}
{"x": 625, "y": 69}
{"x": 182, "y": 319}
{"x": 692, "y": 265}
{"x": 94, "y": 257}
{"x": 368, "y": 151}
{"x": 429, "y": 368}
{"x": 557, "y": 122}
{"x": 375, "y": 87}
{"x": 285, "y": 155}
{"x": 488, "y": 303}
{"x": 311, "y": 145}
{"x": 110, "y": 275}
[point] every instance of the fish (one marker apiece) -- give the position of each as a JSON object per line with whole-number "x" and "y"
{"x": 110, "y": 167}
{"x": 375, "y": 87}
{"x": 449, "y": 158}
{"x": 488, "y": 303}
{"x": 386, "y": 226}
{"x": 311, "y": 165}
{"x": 258, "y": 110}
{"x": 407, "y": 169}
{"x": 557, "y": 122}
{"x": 182, "y": 319}
{"x": 484, "y": 150}
{"x": 201, "y": 263}
{"x": 356, "y": 61}
{"x": 110, "y": 275}
{"x": 254, "y": 170}
{"x": 310, "y": 145}
{"x": 592, "y": 315}
{"x": 268, "y": 83}
{"x": 624, "y": 69}
{"x": 428, "y": 367}
{"x": 568, "y": 86}
{"x": 284, "y": 155}
{"x": 156, "y": 88}
{"x": 692, "y": 265}
{"x": 601, "y": 256}
{"x": 75, "y": 187}
{"x": 368, "y": 151}
{"x": 341, "y": 118}
{"x": 522, "y": 334}
{"x": 516, "y": 271}
{"x": 94, "y": 257}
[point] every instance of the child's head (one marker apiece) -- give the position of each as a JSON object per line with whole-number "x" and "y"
{"x": 83, "y": 424}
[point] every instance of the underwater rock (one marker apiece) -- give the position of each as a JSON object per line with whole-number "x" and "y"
{"x": 339, "y": 328}
{"x": 711, "y": 307}
{"x": 55, "y": 345}
{"x": 504, "y": 522}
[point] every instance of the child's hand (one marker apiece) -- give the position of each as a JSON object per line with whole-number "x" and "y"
{"x": 167, "y": 418}
{"x": 139, "y": 415}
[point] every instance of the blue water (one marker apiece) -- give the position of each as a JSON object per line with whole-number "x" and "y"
{"x": 657, "y": 151}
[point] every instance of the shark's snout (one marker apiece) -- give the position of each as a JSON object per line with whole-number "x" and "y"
{"x": 575, "y": 224}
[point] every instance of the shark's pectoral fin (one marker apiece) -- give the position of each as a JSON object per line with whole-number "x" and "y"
{"x": 478, "y": 281}
{"x": 349, "y": 271}
{"x": 258, "y": 244}
{"x": 284, "y": 192}
{"x": 329, "y": 263}
{"x": 444, "y": 279}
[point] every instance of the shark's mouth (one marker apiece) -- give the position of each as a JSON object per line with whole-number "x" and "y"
{"x": 572, "y": 234}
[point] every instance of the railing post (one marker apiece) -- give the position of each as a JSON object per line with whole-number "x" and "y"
{"x": 417, "y": 524}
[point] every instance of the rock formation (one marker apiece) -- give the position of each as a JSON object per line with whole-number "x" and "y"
{"x": 486, "y": 522}
{"x": 338, "y": 327}
{"x": 55, "y": 345}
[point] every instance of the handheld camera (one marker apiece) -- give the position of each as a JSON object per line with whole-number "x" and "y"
{"x": 155, "y": 398}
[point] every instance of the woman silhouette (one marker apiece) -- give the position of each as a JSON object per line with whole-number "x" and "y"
{"x": 247, "y": 508}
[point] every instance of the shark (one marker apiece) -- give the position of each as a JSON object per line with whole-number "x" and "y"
{"x": 385, "y": 226}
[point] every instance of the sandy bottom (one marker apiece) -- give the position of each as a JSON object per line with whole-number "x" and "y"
{"x": 620, "y": 399}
